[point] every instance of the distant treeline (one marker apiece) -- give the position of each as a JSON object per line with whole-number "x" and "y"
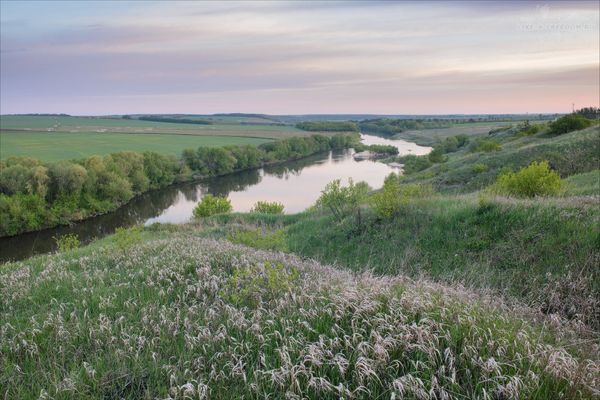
{"x": 36, "y": 195}
{"x": 328, "y": 126}
{"x": 174, "y": 120}
{"x": 390, "y": 127}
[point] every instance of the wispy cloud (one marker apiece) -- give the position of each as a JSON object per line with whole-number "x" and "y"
{"x": 379, "y": 57}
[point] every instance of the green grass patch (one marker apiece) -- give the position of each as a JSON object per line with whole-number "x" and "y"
{"x": 53, "y": 146}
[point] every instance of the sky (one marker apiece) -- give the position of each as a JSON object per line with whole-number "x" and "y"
{"x": 99, "y": 58}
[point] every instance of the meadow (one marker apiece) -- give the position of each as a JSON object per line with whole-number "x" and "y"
{"x": 53, "y": 146}
{"x": 169, "y": 315}
{"x": 51, "y": 138}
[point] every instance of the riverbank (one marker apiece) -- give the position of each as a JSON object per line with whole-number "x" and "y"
{"x": 36, "y": 195}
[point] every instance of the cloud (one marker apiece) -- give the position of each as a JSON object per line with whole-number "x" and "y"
{"x": 296, "y": 56}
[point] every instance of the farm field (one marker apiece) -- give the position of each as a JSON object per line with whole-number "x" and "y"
{"x": 222, "y": 126}
{"x": 52, "y": 146}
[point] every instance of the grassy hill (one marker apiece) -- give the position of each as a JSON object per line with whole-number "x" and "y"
{"x": 176, "y": 315}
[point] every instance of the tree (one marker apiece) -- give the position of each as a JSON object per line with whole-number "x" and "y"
{"x": 569, "y": 123}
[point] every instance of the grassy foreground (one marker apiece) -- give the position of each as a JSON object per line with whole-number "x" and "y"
{"x": 177, "y": 316}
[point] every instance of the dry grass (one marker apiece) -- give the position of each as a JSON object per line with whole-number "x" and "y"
{"x": 189, "y": 318}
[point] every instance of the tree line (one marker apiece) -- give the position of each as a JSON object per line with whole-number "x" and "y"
{"x": 328, "y": 126}
{"x": 36, "y": 195}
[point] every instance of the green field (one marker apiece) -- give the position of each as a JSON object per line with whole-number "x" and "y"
{"x": 222, "y": 126}
{"x": 51, "y": 146}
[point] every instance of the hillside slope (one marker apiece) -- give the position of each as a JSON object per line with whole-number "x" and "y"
{"x": 183, "y": 317}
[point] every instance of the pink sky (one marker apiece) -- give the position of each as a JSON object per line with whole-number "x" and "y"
{"x": 298, "y": 58}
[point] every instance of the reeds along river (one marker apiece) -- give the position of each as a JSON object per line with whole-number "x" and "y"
{"x": 296, "y": 184}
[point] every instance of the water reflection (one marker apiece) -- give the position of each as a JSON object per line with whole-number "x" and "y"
{"x": 296, "y": 184}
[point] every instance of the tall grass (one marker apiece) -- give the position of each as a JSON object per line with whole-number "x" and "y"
{"x": 160, "y": 321}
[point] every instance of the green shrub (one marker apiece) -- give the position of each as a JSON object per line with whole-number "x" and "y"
{"x": 485, "y": 145}
{"x": 437, "y": 154}
{"x": 479, "y": 168}
{"x": 125, "y": 238}
{"x": 266, "y": 207}
{"x": 343, "y": 200}
{"x": 254, "y": 284}
{"x": 535, "y": 180}
{"x": 569, "y": 123}
{"x": 260, "y": 239}
{"x": 66, "y": 242}
{"x": 412, "y": 163}
{"x": 212, "y": 205}
{"x": 394, "y": 196}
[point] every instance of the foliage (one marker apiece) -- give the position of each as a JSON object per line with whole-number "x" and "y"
{"x": 437, "y": 155}
{"x": 535, "y": 180}
{"x": 66, "y": 242}
{"x": 125, "y": 238}
{"x": 390, "y": 127}
{"x": 592, "y": 113}
{"x": 328, "y": 126}
{"x": 35, "y": 195}
{"x": 212, "y": 205}
{"x": 569, "y": 123}
{"x": 343, "y": 200}
{"x": 377, "y": 148}
{"x": 479, "y": 168}
{"x": 254, "y": 284}
{"x": 484, "y": 145}
{"x": 266, "y": 207}
{"x": 394, "y": 196}
{"x": 412, "y": 163}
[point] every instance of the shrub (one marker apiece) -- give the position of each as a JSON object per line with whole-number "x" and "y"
{"x": 412, "y": 163}
{"x": 256, "y": 284}
{"x": 211, "y": 205}
{"x": 125, "y": 238}
{"x": 66, "y": 242}
{"x": 485, "y": 145}
{"x": 437, "y": 154}
{"x": 535, "y": 180}
{"x": 391, "y": 199}
{"x": 266, "y": 207}
{"x": 479, "y": 168}
{"x": 569, "y": 123}
{"x": 343, "y": 200}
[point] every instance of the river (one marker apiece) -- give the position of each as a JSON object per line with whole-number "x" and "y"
{"x": 296, "y": 184}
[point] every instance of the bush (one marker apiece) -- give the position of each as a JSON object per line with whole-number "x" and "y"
{"x": 437, "y": 154}
{"x": 412, "y": 163}
{"x": 485, "y": 145}
{"x": 569, "y": 123}
{"x": 343, "y": 200}
{"x": 211, "y": 205}
{"x": 479, "y": 168}
{"x": 125, "y": 238}
{"x": 66, "y": 242}
{"x": 265, "y": 207}
{"x": 256, "y": 284}
{"x": 393, "y": 196}
{"x": 535, "y": 180}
